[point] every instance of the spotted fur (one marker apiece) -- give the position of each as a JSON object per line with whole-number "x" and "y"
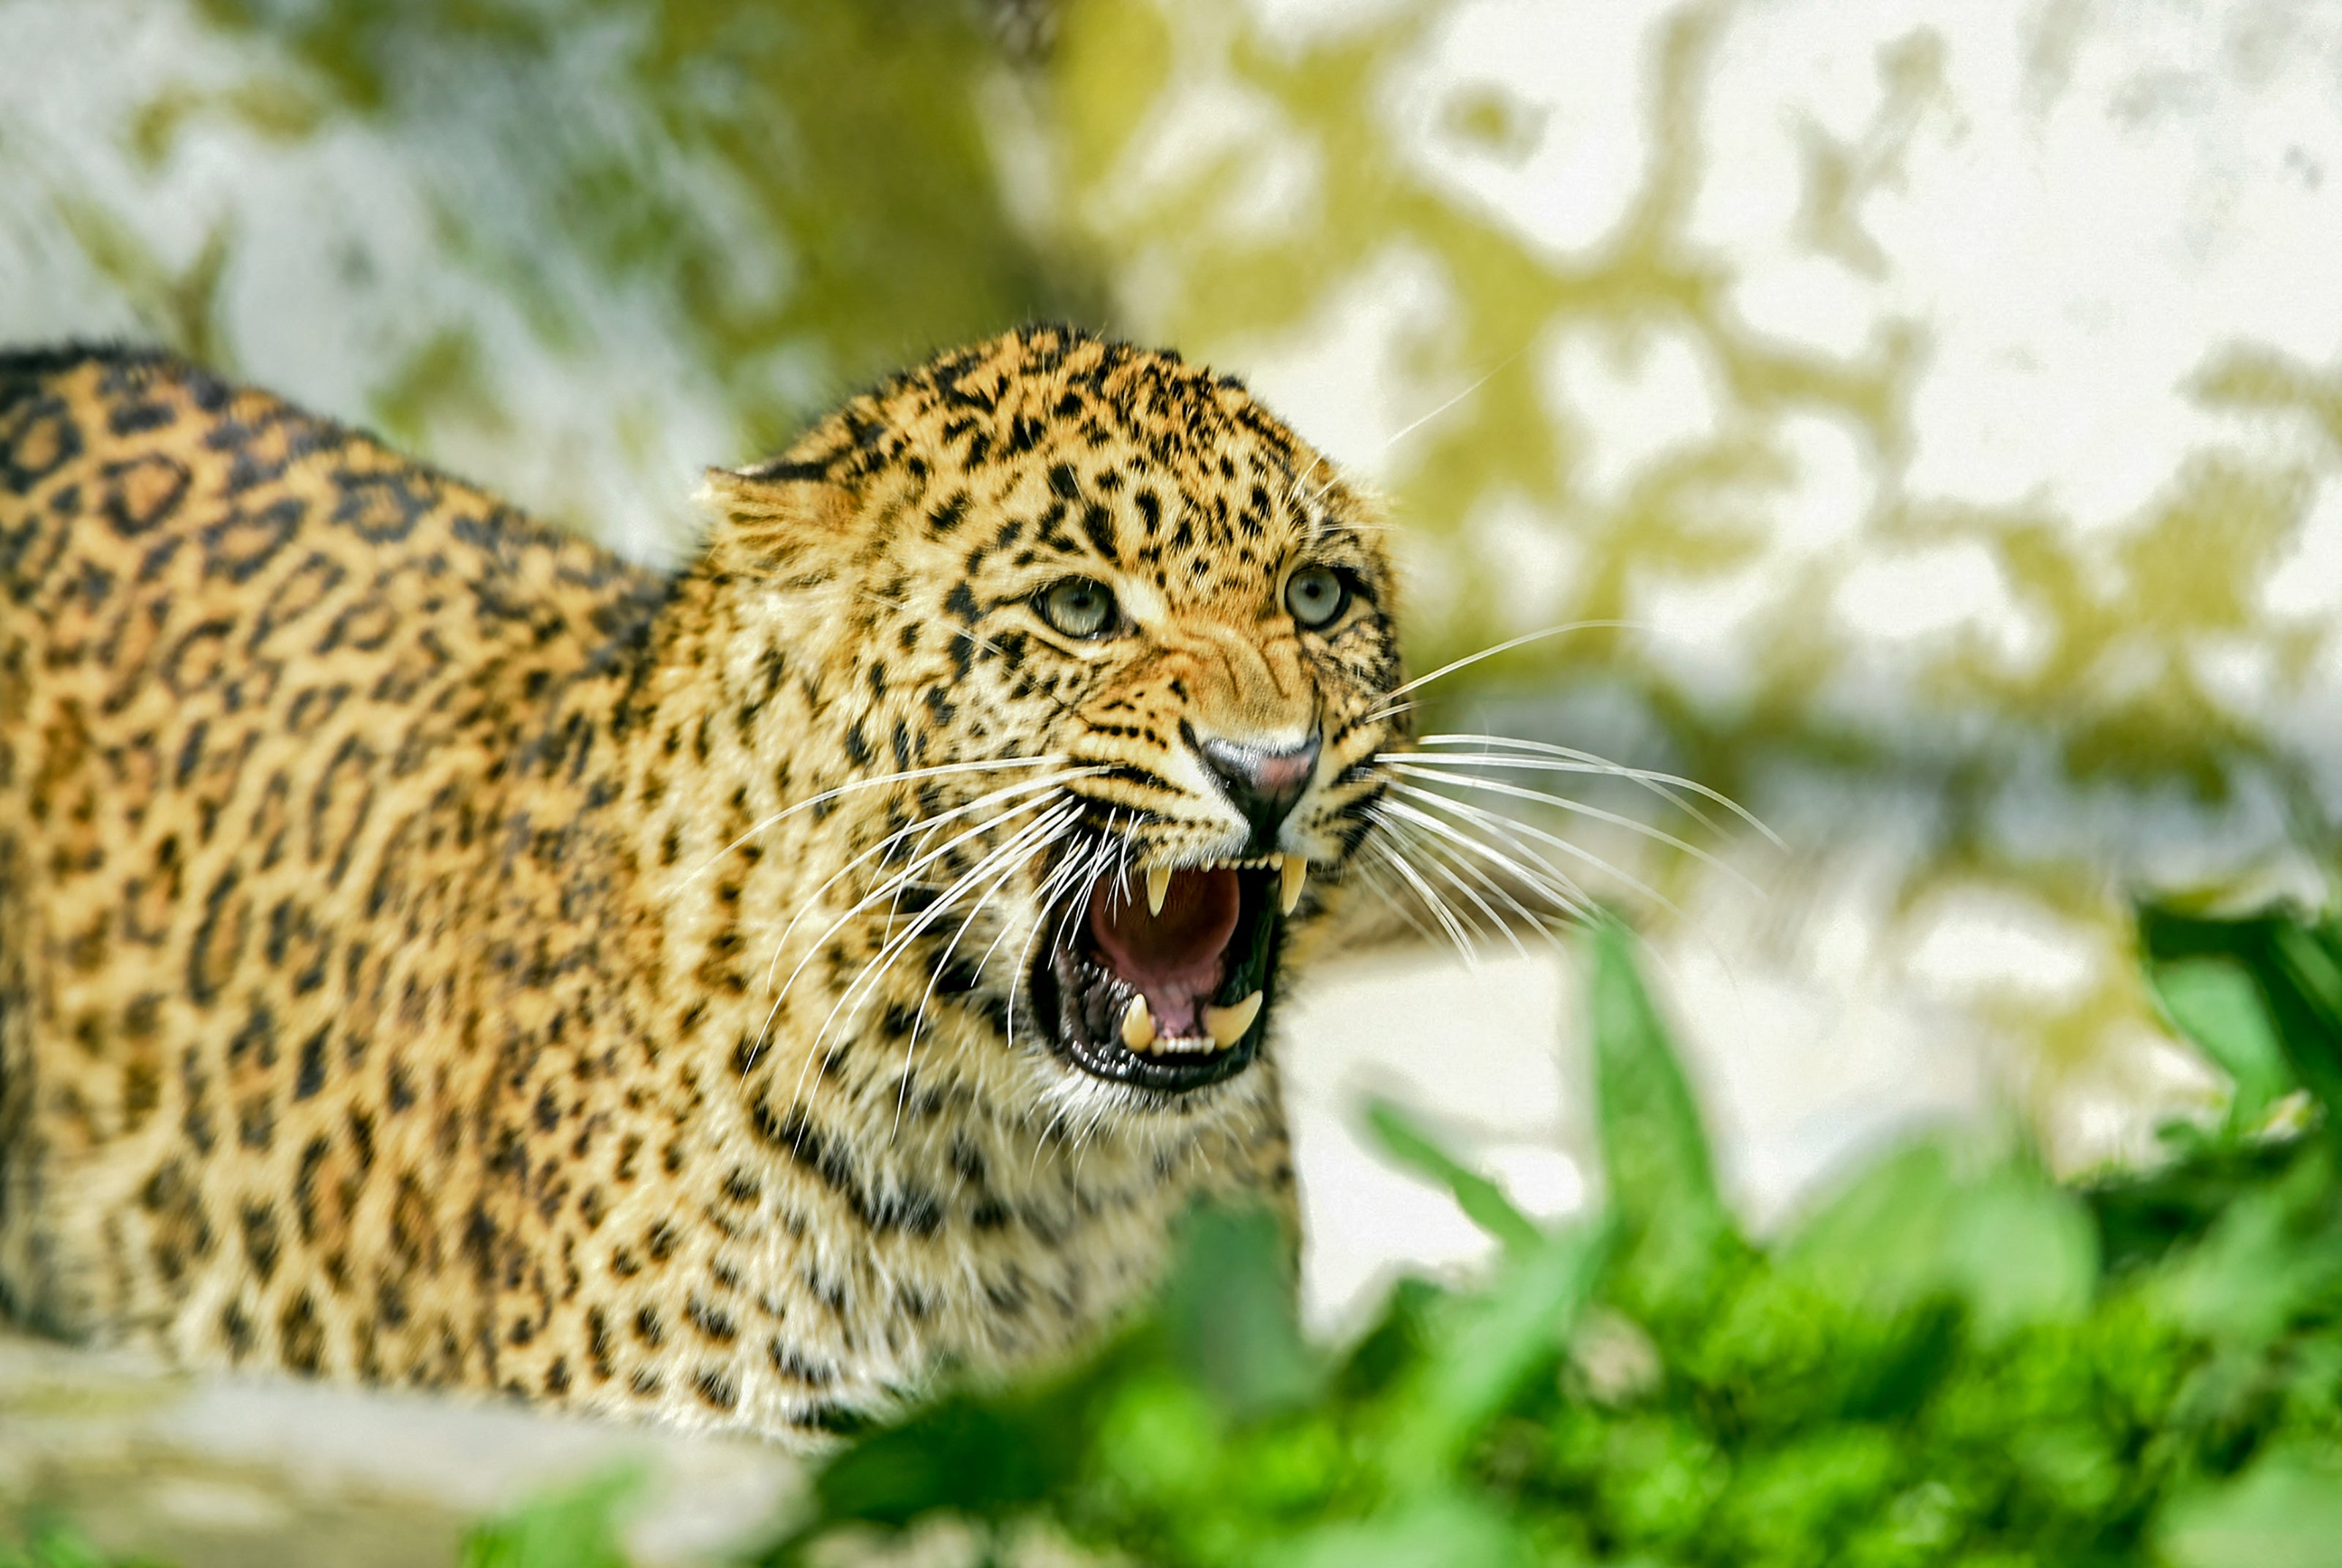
{"x": 393, "y": 891}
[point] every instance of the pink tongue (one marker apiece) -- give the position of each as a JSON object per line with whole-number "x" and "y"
{"x": 1174, "y": 957}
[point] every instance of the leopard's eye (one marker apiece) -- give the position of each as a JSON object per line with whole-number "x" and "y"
{"x": 1315, "y": 595}
{"x": 1078, "y": 607}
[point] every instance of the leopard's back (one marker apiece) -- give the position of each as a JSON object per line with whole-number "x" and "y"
{"x": 263, "y": 684}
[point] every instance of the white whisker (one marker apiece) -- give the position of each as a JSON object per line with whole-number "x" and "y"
{"x": 940, "y": 770}
{"x": 1432, "y": 903}
{"x": 1568, "y": 900}
{"x": 1006, "y": 792}
{"x": 1481, "y": 816}
{"x": 1414, "y": 425}
{"x": 943, "y": 961}
{"x": 1441, "y": 861}
{"x": 1048, "y": 894}
{"x": 1661, "y": 783}
{"x": 1577, "y": 808}
{"x": 1382, "y": 887}
{"x": 889, "y": 889}
{"x": 1384, "y": 709}
{"x": 865, "y": 982}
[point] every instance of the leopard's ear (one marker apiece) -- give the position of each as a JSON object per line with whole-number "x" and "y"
{"x": 782, "y": 518}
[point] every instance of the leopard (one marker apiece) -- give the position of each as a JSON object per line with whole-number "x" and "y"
{"x": 438, "y": 952}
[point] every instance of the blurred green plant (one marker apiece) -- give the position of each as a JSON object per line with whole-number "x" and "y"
{"x": 1953, "y": 1360}
{"x": 574, "y": 1529}
{"x": 58, "y": 1545}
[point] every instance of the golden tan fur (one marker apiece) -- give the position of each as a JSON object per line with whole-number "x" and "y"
{"x": 395, "y": 893}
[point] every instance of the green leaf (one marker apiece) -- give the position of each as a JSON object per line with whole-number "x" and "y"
{"x": 2253, "y": 1273}
{"x": 1881, "y": 1241}
{"x": 2280, "y": 1514}
{"x": 1231, "y": 1314}
{"x": 575, "y": 1528}
{"x": 1441, "y": 1531}
{"x": 1673, "y": 1223}
{"x": 1483, "y": 1202}
{"x": 1484, "y": 1348}
{"x": 2303, "y": 979}
{"x": 964, "y": 1455}
{"x": 2215, "y": 1003}
{"x": 62, "y": 1546}
{"x": 2022, "y": 1250}
{"x": 2298, "y": 971}
{"x": 2013, "y": 1247}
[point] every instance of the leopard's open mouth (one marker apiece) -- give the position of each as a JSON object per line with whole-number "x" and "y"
{"x": 1163, "y": 978}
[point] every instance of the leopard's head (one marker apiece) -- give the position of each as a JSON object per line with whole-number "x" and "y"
{"x": 1107, "y": 655}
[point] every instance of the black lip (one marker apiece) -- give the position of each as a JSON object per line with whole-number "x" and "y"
{"x": 1059, "y": 971}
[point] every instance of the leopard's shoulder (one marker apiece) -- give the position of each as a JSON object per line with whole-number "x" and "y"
{"x": 125, "y": 466}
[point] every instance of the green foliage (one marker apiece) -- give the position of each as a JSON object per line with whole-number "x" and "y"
{"x": 575, "y": 1528}
{"x": 56, "y": 1547}
{"x": 1951, "y": 1360}
{"x": 2292, "y": 968}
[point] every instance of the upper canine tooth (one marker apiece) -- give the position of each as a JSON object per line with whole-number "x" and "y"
{"x": 1296, "y": 876}
{"x": 1159, "y": 887}
{"x": 1137, "y": 1025}
{"x": 1227, "y": 1025}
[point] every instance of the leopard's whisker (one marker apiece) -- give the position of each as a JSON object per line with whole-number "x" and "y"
{"x": 892, "y": 885}
{"x": 883, "y": 891}
{"x": 1577, "y": 808}
{"x": 865, "y": 981}
{"x": 1662, "y": 784}
{"x": 939, "y": 770}
{"x": 1077, "y": 908}
{"x": 1513, "y": 854}
{"x": 1382, "y": 888}
{"x": 1535, "y": 876}
{"x": 1439, "y": 861}
{"x": 1468, "y": 762}
{"x": 1494, "y": 371}
{"x": 1480, "y": 816}
{"x": 1442, "y": 846}
{"x": 1386, "y": 708}
{"x": 1432, "y": 902}
{"x": 1004, "y": 854}
{"x": 906, "y": 878}
{"x": 892, "y": 840}
{"x": 1043, "y": 897}
{"x": 943, "y": 962}
{"x": 1514, "y": 857}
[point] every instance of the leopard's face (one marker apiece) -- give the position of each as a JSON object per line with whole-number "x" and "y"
{"x": 1129, "y": 646}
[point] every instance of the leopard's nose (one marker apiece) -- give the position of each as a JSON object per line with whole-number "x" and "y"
{"x": 1263, "y": 782}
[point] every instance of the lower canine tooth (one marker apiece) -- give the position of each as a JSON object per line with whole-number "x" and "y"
{"x": 1158, "y": 883}
{"x": 1137, "y": 1025}
{"x": 1296, "y": 876}
{"x": 1227, "y": 1025}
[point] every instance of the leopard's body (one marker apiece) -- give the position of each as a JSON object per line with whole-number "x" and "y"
{"x": 395, "y": 892}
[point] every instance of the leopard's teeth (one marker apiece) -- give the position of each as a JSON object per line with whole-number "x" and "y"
{"x": 1227, "y": 1025}
{"x": 1295, "y": 872}
{"x": 1138, "y": 1025}
{"x": 1158, "y": 886}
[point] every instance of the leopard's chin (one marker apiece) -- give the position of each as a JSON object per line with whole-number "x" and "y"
{"x": 1164, "y": 979}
